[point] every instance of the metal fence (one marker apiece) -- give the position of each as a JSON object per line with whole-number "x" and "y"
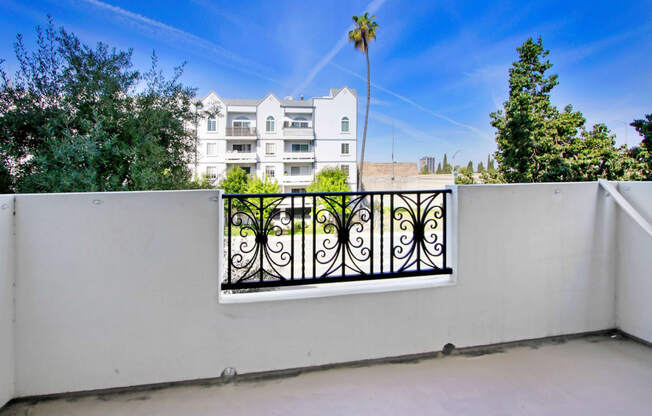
{"x": 275, "y": 240}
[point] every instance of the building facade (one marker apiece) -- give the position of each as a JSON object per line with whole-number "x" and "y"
{"x": 429, "y": 162}
{"x": 288, "y": 140}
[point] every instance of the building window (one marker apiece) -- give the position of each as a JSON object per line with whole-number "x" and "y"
{"x": 270, "y": 149}
{"x": 211, "y": 124}
{"x": 300, "y": 122}
{"x": 247, "y": 169}
{"x": 211, "y": 172}
{"x": 269, "y": 124}
{"x": 269, "y": 171}
{"x": 345, "y": 149}
{"x": 345, "y": 168}
{"x": 242, "y": 122}
{"x": 345, "y": 125}
{"x": 242, "y": 148}
{"x": 298, "y": 190}
{"x": 211, "y": 149}
{"x": 300, "y": 147}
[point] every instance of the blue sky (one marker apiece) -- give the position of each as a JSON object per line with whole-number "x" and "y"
{"x": 438, "y": 67}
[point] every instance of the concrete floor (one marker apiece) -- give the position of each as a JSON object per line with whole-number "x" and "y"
{"x": 594, "y": 375}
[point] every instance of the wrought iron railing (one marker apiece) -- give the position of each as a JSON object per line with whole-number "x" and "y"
{"x": 309, "y": 238}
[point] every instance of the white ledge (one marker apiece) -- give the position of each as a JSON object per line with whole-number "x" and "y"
{"x": 340, "y": 289}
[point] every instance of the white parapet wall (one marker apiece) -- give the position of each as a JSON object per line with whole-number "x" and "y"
{"x": 120, "y": 289}
{"x": 6, "y": 298}
{"x": 634, "y": 263}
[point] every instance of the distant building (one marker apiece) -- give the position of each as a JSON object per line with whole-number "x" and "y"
{"x": 385, "y": 169}
{"x": 429, "y": 162}
{"x": 288, "y": 140}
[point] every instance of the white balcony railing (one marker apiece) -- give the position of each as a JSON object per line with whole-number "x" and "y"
{"x": 241, "y": 131}
{"x": 297, "y": 179}
{"x": 298, "y": 131}
{"x": 303, "y": 156}
{"x": 241, "y": 156}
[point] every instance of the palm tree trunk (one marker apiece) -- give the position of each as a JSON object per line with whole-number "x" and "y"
{"x": 366, "y": 120}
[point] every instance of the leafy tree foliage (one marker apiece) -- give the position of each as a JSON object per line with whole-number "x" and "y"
{"x": 469, "y": 166}
{"x": 480, "y": 167}
{"x": 538, "y": 143}
{"x": 641, "y": 155}
{"x": 79, "y": 118}
{"x": 438, "y": 168}
{"x": 266, "y": 185}
{"x": 235, "y": 181}
{"x": 446, "y": 167}
{"x": 205, "y": 182}
{"x": 424, "y": 170}
{"x": 465, "y": 176}
{"x": 330, "y": 180}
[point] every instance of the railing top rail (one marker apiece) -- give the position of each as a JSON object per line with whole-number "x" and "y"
{"x": 352, "y": 193}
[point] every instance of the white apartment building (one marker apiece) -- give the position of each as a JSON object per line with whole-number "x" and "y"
{"x": 288, "y": 140}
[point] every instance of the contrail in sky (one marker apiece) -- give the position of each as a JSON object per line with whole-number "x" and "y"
{"x": 371, "y": 8}
{"x": 174, "y": 35}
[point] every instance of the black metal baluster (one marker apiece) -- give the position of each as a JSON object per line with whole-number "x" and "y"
{"x": 444, "y": 195}
{"x": 303, "y": 236}
{"x": 338, "y": 257}
{"x": 228, "y": 221}
{"x": 417, "y": 223}
{"x": 314, "y": 237}
{"x": 292, "y": 237}
{"x": 262, "y": 238}
{"x": 382, "y": 232}
{"x": 371, "y": 235}
{"x": 342, "y": 244}
{"x": 391, "y": 233}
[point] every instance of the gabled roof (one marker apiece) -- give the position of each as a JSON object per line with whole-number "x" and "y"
{"x": 335, "y": 91}
{"x": 297, "y": 103}
{"x": 242, "y": 101}
{"x": 254, "y": 102}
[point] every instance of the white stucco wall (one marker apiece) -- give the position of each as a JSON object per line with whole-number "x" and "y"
{"x": 6, "y": 298}
{"x": 634, "y": 267}
{"x": 120, "y": 289}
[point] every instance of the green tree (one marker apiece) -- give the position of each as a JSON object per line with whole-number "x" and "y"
{"x": 521, "y": 124}
{"x": 330, "y": 180}
{"x": 265, "y": 185}
{"x": 446, "y": 168}
{"x": 439, "y": 168}
{"x": 480, "y": 167}
{"x": 491, "y": 176}
{"x": 465, "y": 175}
{"x": 363, "y": 33}
{"x": 641, "y": 155}
{"x": 235, "y": 181}
{"x": 205, "y": 182}
{"x": 536, "y": 142}
{"x": 77, "y": 118}
{"x": 424, "y": 170}
{"x": 469, "y": 166}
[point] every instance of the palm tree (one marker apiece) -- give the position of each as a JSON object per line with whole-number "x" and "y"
{"x": 363, "y": 33}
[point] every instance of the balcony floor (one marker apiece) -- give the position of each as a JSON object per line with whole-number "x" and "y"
{"x": 590, "y": 375}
